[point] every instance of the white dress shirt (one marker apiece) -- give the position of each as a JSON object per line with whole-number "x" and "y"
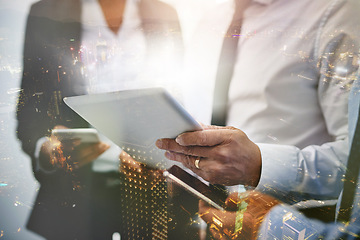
{"x": 114, "y": 62}
{"x": 111, "y": 61}
{"x": 289, "y": 91}
{"x": 278, "y": 221}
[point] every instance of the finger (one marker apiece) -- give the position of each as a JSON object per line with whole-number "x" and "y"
{"x": 187, "y": 160}
{"x": 208, "y": 127}
{"x": 211, "y": 137}
{"x": 60, "y": 127}
{"x": 71, "y": 143}
{"x": 52, "y": 137}
{"x": 171, "y": 145}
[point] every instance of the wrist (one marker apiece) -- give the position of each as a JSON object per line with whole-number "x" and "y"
{"x": 256, "y": 163}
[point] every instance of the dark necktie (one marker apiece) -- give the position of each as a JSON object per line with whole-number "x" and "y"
{"x": 351, "y": 177}
{"x": 225, "y": 71}
{"x": 226, "y": 65}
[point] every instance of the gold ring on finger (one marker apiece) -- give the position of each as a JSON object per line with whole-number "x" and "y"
{"x": 196, "y": 163}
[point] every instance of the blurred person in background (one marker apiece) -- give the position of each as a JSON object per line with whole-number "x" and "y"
{"x": 76, "y": 47}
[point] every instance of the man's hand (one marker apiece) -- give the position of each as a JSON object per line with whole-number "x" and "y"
{"x": 242, "y": 218}
{"x": 222, "y": 155}
{"x": 68, "y": 155}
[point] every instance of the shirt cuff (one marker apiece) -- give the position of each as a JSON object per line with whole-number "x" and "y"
{"x": 279, "y": 170}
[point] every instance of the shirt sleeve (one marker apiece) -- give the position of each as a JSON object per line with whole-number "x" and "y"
{"x": 316, "y": 171}
{"x": 284, "y": 222}
{"x": 292, "y": 174}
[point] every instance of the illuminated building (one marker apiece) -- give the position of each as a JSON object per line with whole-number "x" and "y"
{"x": 144, "y": 205}
{"x": 292, "y": 230}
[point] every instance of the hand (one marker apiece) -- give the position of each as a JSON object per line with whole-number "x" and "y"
{"x": 226, "y": 155}
{"x": 143, "y": 176}
{"x": 242, "y": 218}
{"x": 68, "y": 155}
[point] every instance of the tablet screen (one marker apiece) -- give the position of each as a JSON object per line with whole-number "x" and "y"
{"x": 135, "y": 119}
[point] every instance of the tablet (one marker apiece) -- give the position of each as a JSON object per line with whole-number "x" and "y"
{"x": 135, "y": 119}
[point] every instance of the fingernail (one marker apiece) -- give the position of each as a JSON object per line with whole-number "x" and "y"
{"x": 179, "y": 139}
{"x": 159, "y": 143}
